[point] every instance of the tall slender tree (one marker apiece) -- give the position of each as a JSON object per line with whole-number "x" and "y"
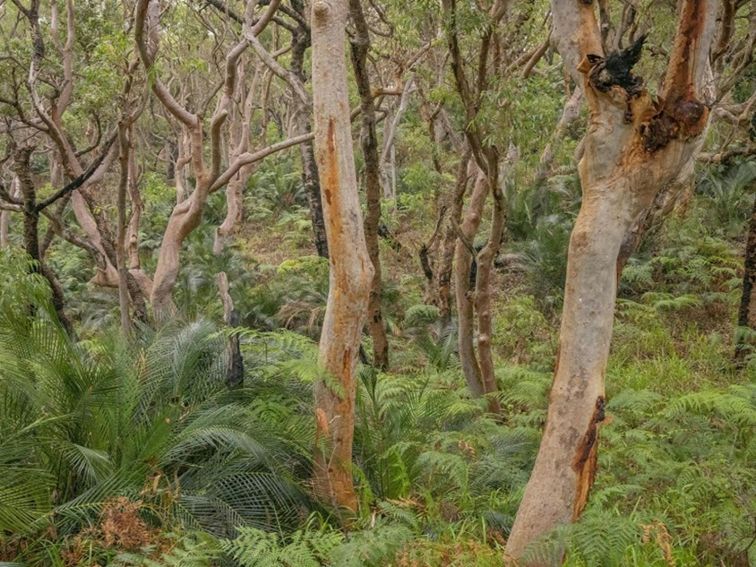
{"x": 351, "y": 271}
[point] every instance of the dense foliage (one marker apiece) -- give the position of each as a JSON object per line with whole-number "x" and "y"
{"x": 124, "y": 441}
{"x": 137, "y": 454}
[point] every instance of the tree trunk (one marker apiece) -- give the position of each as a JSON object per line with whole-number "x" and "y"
{"x": 300, "y": 41}
{"x": 234, "y": 360}
{"x": 312, "y": 187}
{"x": 123, "y": 272}
{"x": 350, "y": 269}
{"x": 185, "y": 217}
{"x": 482, "y": 300}
{"x": 566, "y": 464}
{"x": 388, "y": 154}
{"x": 635, "y": 145}
{"x": 28, "y": 192}
{"x": 464, "y": 270}
{"x": 369, "y": 142}
{"x": 747, "y": 311}
{"x": 446, "y": 260}
{"x": 5, "y": 217}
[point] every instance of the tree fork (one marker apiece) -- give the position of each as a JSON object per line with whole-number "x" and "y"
{"x": 635, "y": 146}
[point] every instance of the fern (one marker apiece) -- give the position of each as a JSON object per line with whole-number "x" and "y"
{"x": 304, "y": 548}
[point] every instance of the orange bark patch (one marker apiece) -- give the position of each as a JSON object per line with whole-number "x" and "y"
{"x": 331, "y": 173}
{"x": 680, "y": 114}
{"x": 584, "y": 463}
{"x": 678, "y": 84}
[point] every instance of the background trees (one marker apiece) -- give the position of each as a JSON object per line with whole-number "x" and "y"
{"x": 199, "y": 192}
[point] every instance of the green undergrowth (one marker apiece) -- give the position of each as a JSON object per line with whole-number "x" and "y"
{"x": 134, "y": 453}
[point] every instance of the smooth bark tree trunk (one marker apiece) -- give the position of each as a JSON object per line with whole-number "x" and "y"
{"x": 747, "y": 311}
{"x": 351, "y": 271}
{"x": 635, "y": 145}
{"x": 369, "y": 143}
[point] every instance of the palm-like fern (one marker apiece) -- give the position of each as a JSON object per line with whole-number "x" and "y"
{"x": 82, "y": 423}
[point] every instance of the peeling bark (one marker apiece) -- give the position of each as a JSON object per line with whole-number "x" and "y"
{"x": 351, "y": 271}
{"x": 634, "y": 147}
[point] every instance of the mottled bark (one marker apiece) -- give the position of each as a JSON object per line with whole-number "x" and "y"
{"x": 635, "y": 145}
{"x": 351, "y": 271}
{"x": 369, "y": 143}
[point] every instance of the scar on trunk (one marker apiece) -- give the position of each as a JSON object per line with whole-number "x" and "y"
{"x": 331, "y": 176}
{"x": 584, "y": 463}
{"x": 679, "y": 114}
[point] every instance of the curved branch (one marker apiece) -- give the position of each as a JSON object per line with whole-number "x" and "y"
{"x": 81, "y": 179}
{"x": 251, "y": 157}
